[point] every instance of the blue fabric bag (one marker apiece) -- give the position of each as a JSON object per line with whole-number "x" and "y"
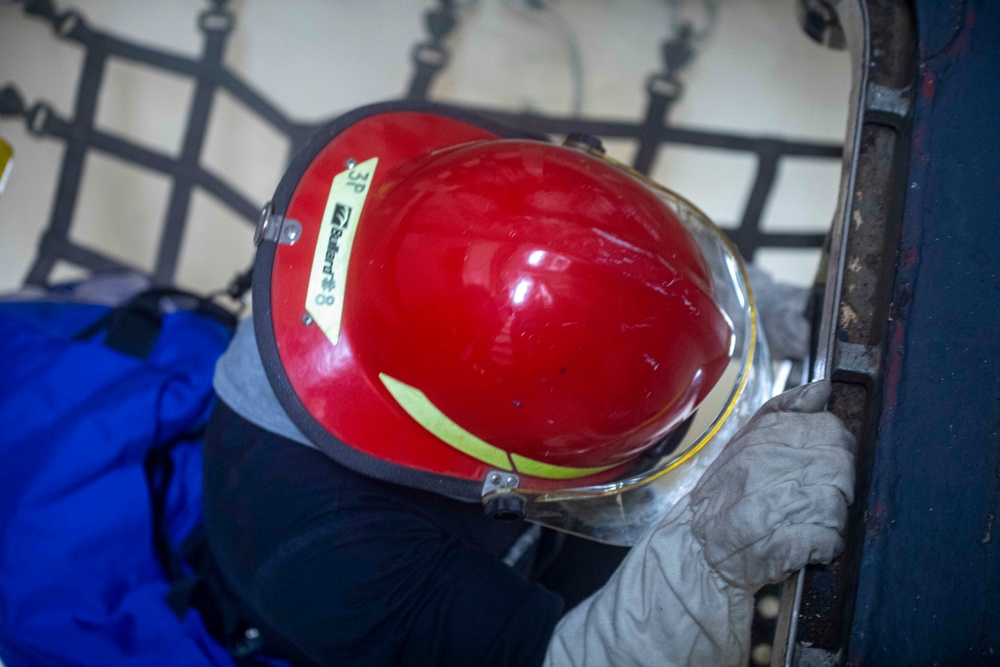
{"x": 80, "y": 580}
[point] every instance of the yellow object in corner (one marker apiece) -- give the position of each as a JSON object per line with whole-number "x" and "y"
{"x": 6, "y": 163}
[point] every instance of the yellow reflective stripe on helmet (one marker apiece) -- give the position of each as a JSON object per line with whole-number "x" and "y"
{"x": 549, "y": 471}
{"x": 417, "y": 405}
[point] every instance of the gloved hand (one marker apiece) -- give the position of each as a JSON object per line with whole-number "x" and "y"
{"x": 774, "y": 500}
{"x": 776, "y": 497}
{"x": 781, "y": 308}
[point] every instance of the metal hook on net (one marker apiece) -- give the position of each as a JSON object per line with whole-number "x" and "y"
{"x": 665, "y": 86}
{"x": 441, "y": 21}
{"x": 429, "y": 55}
{"x": 678, "y": 24}
{"x": 43, "y": 9}
{"x": 38, "y": 119}
{"x": 217, "y": 19}
{"x": 67, "y": 24}
{"x": 679, "y": 49}
{"x": 11, "y": 102}
{"x": 678, "y": 52}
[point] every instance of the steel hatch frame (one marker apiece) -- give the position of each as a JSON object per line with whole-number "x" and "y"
{"x": 908, "y": 335}
{"x": 855, "y": 282}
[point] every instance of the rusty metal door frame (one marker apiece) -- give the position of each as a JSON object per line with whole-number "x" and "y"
{"x": 856, "y": 281}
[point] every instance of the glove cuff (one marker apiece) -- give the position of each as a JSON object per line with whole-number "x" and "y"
{"x": 663, "y": 606}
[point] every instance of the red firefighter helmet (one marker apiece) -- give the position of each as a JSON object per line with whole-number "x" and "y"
{"x": 437, "y": 299}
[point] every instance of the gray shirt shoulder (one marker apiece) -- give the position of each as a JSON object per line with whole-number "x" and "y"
{"x": 241, "y": 382}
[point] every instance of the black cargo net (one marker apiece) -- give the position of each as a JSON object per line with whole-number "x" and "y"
{"x": 429, "y": 58}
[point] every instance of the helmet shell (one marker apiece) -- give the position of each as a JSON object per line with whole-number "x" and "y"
{"x": 509, "y": 304}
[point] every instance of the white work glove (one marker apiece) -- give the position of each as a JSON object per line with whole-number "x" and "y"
{"x": 781, "y": 308}
{"x": 775, "y": 500}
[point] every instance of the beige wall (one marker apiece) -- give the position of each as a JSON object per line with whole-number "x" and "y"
{"x": 757, "y": 74}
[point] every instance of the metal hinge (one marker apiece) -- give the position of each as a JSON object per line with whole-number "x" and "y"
{"x": 498, "y": 480}
{"x": 276, "y": 228}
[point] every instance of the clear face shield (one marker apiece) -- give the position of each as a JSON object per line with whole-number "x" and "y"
{"x": 620, "y": 512}
{"x": 444, "y": 454}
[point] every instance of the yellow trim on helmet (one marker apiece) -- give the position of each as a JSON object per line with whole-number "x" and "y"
{"x": 549, "y": 471}
{"x": 416, "y": 404}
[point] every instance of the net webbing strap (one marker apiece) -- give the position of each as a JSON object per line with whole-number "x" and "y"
{"x": 430, "y": 57}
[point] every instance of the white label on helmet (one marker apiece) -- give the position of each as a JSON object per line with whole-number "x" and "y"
{"x": 328, "y": 278}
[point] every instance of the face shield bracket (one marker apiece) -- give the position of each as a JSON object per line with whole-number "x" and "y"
{"x": 276, "y": 228}
{"x": 499, "y": 498}
{"x": 500, "y": 481}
